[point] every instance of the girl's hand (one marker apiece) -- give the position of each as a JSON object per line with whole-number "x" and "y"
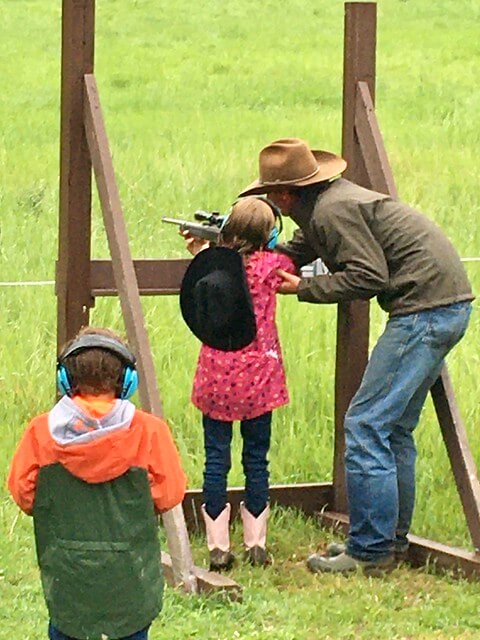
{"x": 290, "y": 282}
{"x": 194, "y": 245}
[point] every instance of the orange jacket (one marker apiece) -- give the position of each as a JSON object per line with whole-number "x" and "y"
{"x": 146, "y": 442}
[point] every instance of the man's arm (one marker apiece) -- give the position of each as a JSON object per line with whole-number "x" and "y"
{"x": 361, "y": 270}
{"x": 298, "y": 249}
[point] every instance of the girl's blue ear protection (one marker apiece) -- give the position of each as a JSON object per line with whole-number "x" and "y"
{"x": 276, "y": 231}
{"x": 129, "y": 377}
{"x": 273, "y": 238}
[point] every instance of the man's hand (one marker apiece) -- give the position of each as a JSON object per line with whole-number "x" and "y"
{"x": 290, "y": 282}
{"x": 194, "y": 245}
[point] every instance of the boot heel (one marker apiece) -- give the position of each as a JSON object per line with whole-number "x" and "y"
{"x": 218, "y": 539}
{"x": 221, "y": 560}
{"x": 257, "y": 557}
{"x": 254, "y": 536}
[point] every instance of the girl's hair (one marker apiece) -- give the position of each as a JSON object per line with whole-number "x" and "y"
{"x": 248, "y": 226}
{"x": 95, "y": 371}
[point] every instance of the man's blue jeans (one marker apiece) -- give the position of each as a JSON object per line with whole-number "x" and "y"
{"x": 380, "y": 450}
{"x": 55, "y": 634}
{"x": 256, "y": 434}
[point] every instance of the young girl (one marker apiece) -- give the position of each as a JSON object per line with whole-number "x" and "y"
{"x": 244, "y": 385}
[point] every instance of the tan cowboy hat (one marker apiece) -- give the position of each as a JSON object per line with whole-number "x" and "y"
{"x": 291, "y": 163}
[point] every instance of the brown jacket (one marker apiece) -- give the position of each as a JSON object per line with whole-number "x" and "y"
{"x": 374, "y": 246}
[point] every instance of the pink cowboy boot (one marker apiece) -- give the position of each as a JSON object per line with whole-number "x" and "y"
{"x": 218, "y": 539}
{"x": 255, "y": 535}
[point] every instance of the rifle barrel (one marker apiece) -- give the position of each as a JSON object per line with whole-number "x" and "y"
{"x": 206, "y": 232}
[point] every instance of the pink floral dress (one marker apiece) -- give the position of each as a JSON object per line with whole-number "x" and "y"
{"x": 243, "y": 384}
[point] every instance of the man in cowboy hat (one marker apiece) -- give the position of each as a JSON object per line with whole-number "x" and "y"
{"x": 372, "y": 246}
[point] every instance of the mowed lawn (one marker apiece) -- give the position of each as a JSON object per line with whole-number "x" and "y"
{"x": 191, "y": 92}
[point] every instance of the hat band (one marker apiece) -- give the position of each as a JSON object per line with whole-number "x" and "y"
{"x": 279, "y": 181}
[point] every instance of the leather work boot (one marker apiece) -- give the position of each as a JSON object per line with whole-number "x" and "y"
{"x": 255, "y": 535}
{"x": 345, "y": 564}
{"x": 336, "y": 548}
{"x": 218, "y": 539}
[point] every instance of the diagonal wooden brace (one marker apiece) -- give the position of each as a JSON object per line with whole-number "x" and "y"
{"x": 459, "y": 453}
{"x": 182, "y": 569}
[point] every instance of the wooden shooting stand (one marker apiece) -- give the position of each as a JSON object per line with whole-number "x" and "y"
{"x": 80, "y": 280}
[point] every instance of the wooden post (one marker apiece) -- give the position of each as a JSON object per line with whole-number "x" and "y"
{"x": 353, "y": 318}
{"x": 126, "y": 282}
{"x": 73, "y": 268}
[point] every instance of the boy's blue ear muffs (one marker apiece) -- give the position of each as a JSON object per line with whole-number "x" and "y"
{"x": 129, "y": 379}
{"x": 129, "y": 382}
{"x": 63, "y": 380}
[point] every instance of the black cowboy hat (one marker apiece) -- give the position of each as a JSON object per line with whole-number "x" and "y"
{"x": 215, "y": 300}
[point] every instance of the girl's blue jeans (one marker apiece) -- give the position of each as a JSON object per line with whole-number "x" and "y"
{"x": 380, "y": 450}
{"x": 256, "y": 434}
{"x": 55, "y": 634}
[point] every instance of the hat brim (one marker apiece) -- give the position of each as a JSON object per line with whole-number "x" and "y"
{"x": 329, "y": 166}
{"x": 220, "y": 274}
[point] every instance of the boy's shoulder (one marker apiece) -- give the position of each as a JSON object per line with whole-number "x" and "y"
{"x": 149, "y": 419}
{"x": 40, "y": 421}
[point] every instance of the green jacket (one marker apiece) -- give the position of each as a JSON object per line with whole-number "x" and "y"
{"x": 374, "y": 246}
{"x": 104, "y": 537}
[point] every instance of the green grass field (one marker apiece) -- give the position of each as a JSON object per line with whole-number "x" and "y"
{"x": 190, "y": 94}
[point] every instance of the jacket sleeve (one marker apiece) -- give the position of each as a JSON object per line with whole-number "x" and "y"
{"x": 22, "y": 479}
{"x": 361, "y": 270}
{"x": 167, "y": 479}
{"x": 298, "y": 249}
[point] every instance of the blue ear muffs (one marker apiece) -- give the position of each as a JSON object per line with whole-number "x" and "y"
{"x": 275, "y": 232}
{"x": 63, "y": 380}
{"x": 273, "y": 238}
{"x": 129, "y": 378}
{"x": 129, "y": 383}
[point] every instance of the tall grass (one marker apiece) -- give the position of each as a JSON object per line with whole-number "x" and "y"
{"x": 190, "y": 94}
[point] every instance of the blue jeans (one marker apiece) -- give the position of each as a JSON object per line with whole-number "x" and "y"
{"x": 55, "y": 634}
{"x": 380, "y": 450}
{"x": 256, "y": 443}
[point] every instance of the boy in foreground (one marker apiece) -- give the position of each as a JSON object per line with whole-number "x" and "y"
{"x": 93, "y": 473}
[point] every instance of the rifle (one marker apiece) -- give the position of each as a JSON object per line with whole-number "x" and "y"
{"x": 208, "y": 229}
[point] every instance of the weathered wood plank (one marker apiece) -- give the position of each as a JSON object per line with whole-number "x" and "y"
{"x": 207, "y": 581}
{"x": 459, "y": 453}
{"x": 154, "y": 277}
{"x": 371, "y": 143}
{"x": 309, "y": 498}
{"x": 423, "y": 552}
{"x": 127, "y": 286}
{"x": 353, "y": 319}
{"x": 73, "y": 270}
